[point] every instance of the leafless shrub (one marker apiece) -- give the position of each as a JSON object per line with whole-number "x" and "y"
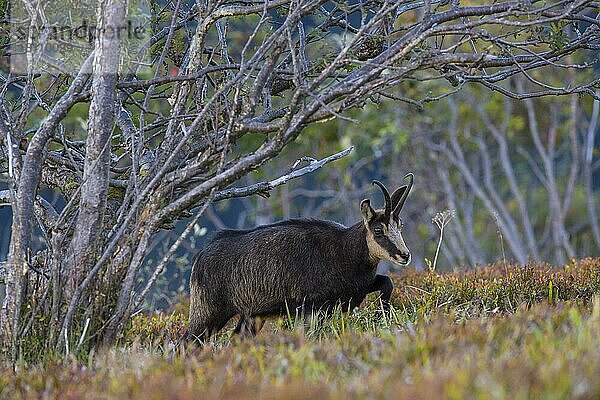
{"x": 160, "y": 148}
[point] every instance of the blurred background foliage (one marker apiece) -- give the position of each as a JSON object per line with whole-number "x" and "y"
{"x": 392, "y": 138}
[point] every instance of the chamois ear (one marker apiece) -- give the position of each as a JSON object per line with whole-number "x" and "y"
{"x": 366, "y": 210}
{"x": 397, "y": 195}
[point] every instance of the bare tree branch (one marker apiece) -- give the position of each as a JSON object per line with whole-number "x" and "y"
{"x": 263, "y": 188}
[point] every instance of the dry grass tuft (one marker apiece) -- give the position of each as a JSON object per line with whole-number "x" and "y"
{"x": 494, "y": 333}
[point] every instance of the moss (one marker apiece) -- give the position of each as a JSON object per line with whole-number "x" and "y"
{"x": 3, "y": 8}
{"x": 115, "y": 193}
{"x": 71, "y": 185}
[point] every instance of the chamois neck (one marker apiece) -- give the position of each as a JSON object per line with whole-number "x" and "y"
{"x": 356, "y": 240}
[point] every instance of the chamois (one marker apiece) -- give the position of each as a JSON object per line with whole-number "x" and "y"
{"x": 295, "y": 264}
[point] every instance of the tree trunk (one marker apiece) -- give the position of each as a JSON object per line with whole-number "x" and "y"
{"x": 88, "y": 228}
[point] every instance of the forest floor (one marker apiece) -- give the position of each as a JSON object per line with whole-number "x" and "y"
{"x": 500, "y": 332}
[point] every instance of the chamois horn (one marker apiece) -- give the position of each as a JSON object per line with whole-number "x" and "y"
{"x": 386, "y": 196}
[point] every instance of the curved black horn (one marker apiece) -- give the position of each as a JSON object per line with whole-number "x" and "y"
{"x": 402, "y": 199}
{"x": 386, "y": 196}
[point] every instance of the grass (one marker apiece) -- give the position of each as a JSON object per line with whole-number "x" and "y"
{"x": 501, "y": 332}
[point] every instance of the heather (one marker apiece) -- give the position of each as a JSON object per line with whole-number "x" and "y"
{"x": 501, "y": 331}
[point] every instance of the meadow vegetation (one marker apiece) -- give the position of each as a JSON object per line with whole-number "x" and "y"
{"x": 503, "y": 331}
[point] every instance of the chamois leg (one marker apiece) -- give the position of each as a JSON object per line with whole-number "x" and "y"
{"x": 383, "y": 284}
{"x": 248, "y": 326}
{"x": 204, "y": 330}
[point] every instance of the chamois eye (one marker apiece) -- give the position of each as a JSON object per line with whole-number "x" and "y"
{"x": 378, "y": 231}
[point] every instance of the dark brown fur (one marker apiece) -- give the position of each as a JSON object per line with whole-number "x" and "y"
{"x": 295, "y": 264}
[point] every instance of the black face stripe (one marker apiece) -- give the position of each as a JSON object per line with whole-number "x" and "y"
{"x": 387, "y": 245}
{"x": 383, "y": 240}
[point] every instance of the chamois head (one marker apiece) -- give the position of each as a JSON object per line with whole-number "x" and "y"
{"x": 384, "y": 227}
